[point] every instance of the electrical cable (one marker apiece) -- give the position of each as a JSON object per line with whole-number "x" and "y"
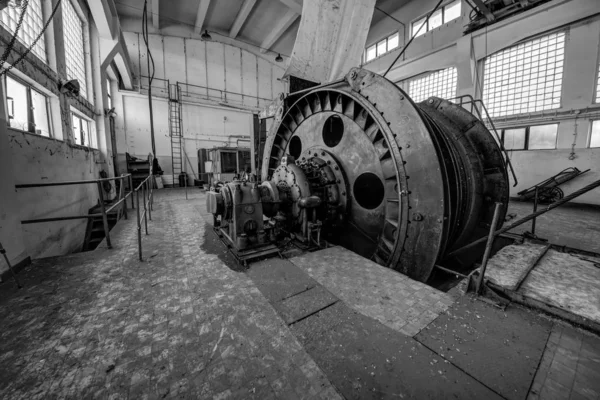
{"x": 413, "y": 37}
{"x": 150, "y": 61}
{"x": 10, "y": 46}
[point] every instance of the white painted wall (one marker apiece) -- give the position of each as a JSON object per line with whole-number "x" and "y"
{"x": 230, "y": 84}
{"x": 447, "y": 47}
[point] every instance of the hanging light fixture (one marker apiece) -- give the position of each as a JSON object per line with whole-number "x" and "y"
{"x": 205, "y": 36}
{"x": 279, "y": 58}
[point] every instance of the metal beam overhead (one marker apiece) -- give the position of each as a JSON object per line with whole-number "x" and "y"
{"x": 241, "y": 18}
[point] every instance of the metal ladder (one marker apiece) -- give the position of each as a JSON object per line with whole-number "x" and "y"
{"x": 175, "y": 131}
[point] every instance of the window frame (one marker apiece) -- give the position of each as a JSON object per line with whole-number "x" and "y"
{"x": 527, "y": 136}
{"x": 41, "y": 45}
{"x": 85, "y": 86}
{"x": 406, "y": 83}
{"x": 375, "y": 45}
{"x": 91, "y": 131}
{"x": 31, "y": 125}
{"x": 527, "y": 58}
{"x": 426, "y": 22}
{"x": 589, "y": 140}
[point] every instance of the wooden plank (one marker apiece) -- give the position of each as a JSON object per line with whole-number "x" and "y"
{"x": 530, "y": 268}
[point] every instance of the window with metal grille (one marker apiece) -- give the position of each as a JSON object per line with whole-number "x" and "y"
{"x": 383, "y": 46}
{"x": 31, "y": 27}
{"x": 439, "y": 84}
{"x": 526, "y": 77}
{"x": 74, "y": 45}
{"x": 536, "y": 137}
{"x": 442, "y": 16}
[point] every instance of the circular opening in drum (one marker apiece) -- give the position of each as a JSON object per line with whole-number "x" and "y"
{"x": 333, "y": 131}
{"x": 368, "y": 190}
{"x": 295, "y": 147}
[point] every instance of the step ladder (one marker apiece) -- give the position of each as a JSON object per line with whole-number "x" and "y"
{"x": 175, "y": 131}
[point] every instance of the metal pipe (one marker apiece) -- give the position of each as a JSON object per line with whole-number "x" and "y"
{"x": 35, "y": 221}
{"x": 139, "y": 224}
{"x": 104, "y": 216}
{"x": 450, "y": 271}
{"x": 66, "y": 183}
{"x": 149, "y": 189}
{"x": 488, "y": 246}
{"x": 535, "y": 206}
{"x": 145, "y": 209}
{"x": 12, "y": 271}
{"x": 185, "y": 184}
{"x": 552, "y": 206}
{"x": 109, "y": 209}
{"x": 131, "y": 191}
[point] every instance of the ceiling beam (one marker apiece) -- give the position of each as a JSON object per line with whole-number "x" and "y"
{"x": 155, "y": 16}
{"x": 241, "y": 18}
{"x": 279, "y": 29}
{"x": 201, "y": 16}
{"x": 294, "y": 5}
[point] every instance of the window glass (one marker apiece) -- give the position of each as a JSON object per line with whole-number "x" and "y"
{"x": 595, "y": 134}
{"x": 78, "y": 135}
{"x": 452, "y": 11}
{"x": 514, "y": 139}
{"x": 16, "y": 96}
{"x": 525, "y": 78}
{"x": 31, "y": 27}
{"x": 416, "y": 25}
{"x": 74, "y": 49}
{"x": 40, "y": 113}
{"x": 435, "y": 20}
{"x": 392, "y": 42}
{"x": 228, "y": 162}
{"x": 439, "y": 84}
{"x": 381, "y": 47}
{"x": 542, "y": 137}
{"x": 371, "y": 53}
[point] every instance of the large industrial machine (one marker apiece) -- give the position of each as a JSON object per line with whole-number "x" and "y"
{"x": 358, "y": 164}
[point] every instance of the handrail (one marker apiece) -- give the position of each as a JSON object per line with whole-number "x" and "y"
{"x": 148, "y": 200}
{"x": 122, "y": 197}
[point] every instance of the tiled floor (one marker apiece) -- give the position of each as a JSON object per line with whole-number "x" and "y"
{"x": 375, "y": 291}
{"x": 570, "y": 367}
{"x": 182, "y": 324}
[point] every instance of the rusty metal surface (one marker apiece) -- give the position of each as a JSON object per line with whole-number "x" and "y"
{"x": 415, "y": 179}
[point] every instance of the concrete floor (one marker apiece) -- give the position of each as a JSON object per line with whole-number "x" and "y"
{"x": 186, "y": 323}
{"x": 574, "y": 226}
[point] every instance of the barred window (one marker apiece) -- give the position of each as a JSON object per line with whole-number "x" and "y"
{"x": 31, "y": 27}
{"x": 439, "y": 84}
{"x": 526, "y": 77}
{"x": 74, "y": 47}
